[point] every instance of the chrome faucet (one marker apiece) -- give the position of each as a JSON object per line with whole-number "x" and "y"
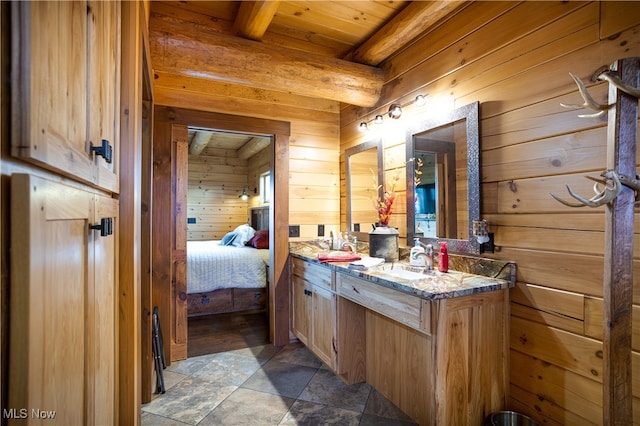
{"x": 428, "y": 257}
{"x": 351, "y": 242}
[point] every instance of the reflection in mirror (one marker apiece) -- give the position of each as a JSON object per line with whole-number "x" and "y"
{"x": 443, "y": 181}
{"x": 363, "y": 174}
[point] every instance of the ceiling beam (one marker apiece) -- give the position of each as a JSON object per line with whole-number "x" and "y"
{"x": 412, "y": 21}
{"x": 199, "y": 142}
{"x": 254, "y": 17}
{"x": 180, "y": 49}
{"x": 252, "y": 147}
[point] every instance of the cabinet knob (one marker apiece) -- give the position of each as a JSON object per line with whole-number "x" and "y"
{"x": 104, "y": 150}
{"x": 105, "y": 226}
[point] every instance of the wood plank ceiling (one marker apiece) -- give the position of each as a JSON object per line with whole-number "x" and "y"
{"x": 323, "y": 49}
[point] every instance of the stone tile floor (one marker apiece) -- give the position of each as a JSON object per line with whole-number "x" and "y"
{"x": 265, "y": 385}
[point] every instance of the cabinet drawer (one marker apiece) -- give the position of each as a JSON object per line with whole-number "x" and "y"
{"x": 315, "y": 274}
{"x": 394, "y": 304}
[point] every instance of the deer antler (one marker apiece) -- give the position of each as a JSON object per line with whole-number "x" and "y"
{"x": 589, "y": 102}
{"x": 614, "y": 80}
{"x": 605, "y": 196}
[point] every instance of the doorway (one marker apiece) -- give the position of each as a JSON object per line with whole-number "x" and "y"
{"x": 169, "y": 208}
{"x": 227, "y": 190}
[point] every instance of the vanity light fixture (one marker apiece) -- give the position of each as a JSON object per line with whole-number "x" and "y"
{"x": 364, "y": 125}
{"x": 244, "y": 196}
{"x": 395, "y": 112}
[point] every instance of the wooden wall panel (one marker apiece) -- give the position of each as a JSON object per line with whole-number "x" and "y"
{"x": 518, "y": 67}
{"x": 215, "y": 182}
{"x": 314, "y": 141}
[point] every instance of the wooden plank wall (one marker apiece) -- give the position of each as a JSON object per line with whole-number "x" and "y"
{"x": 216, "y": 179}
{"x": 314, "y": 144}
{"x": 314, "y": 175}
{"x": 515, "y": 59}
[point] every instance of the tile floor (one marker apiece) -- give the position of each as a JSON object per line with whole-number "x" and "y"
{"x": 265, "y": 385}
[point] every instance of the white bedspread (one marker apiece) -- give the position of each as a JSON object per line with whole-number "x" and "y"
{"x": 211, "y": 266}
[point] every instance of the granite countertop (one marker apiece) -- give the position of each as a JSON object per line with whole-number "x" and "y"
{"x": 470, "y": 275}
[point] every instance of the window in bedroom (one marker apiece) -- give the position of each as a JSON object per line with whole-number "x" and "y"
{"x": 265, "y": 187}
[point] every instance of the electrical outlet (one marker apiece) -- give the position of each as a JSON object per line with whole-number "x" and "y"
{"x": 320, "y": 230}
{"x": 356, "y": 227}
{"x": 191, "y": 220}
{"x": 489, "y": 246}
{"x": 294, "y": 230}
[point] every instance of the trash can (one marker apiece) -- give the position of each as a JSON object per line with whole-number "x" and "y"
{"x": 509, "y": 418}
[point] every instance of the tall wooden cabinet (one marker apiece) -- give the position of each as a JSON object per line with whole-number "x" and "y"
{"x": 63, "y": 302}
{"x": 65, "y": 98}
{"x": 65, "y": 71}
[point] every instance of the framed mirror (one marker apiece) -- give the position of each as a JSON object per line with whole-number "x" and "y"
{"x": 363, "y": 173}
{"x": 443, "y": 180}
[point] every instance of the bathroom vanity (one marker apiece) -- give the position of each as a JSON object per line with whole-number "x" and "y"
{"x": 435, "y": 345}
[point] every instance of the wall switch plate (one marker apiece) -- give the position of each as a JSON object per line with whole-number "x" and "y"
{"x": 294, "y": 230}
{"x": 356, "y": 227}
{"x": 191, "y": 220}
{"x": 320, "y": 230}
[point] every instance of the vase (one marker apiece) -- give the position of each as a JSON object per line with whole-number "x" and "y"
{"x": 383, "y": 242}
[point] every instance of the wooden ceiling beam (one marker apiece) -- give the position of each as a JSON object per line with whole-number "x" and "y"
{"x": 180, "y": 49}
{"x": 412, "y": 21}
{"x": 252, "y": 147}
{"x": 254, "y": 17}
{"x": 199, "y": 142}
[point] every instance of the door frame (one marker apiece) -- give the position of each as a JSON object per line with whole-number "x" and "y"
{"x": 163, "y": 274}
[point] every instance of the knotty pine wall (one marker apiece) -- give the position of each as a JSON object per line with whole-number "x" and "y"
{"x": 314, "y": 144}
{"x": 515, "y": 59}
{"x": 216, "y": 179}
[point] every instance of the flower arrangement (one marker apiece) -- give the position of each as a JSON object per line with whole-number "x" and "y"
{"x": 384, "y": 203}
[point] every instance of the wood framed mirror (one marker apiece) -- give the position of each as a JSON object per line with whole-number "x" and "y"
{"x": 363, "y": 174}
{"x": 443, "y": 180}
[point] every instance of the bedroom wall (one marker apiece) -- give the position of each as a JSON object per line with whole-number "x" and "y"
{"x": 216, "y": 178}
{"x": 515, "y": 59}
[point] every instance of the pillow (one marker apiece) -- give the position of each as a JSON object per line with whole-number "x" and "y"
{"x": 227, "y": 240}
{"x": 243, "y": 234}
{"x": 238, "y": 237}
{"x": 260, "y": 239}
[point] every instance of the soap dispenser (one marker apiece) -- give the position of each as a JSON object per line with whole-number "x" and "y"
{"x": 414, "y": 259}
{"x": 443, "y": 258}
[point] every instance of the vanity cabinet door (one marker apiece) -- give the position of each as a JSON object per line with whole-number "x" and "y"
{"x": 314, "y": 309}
{"x": 301, "y": 308}
{"x": 323, "y": 325}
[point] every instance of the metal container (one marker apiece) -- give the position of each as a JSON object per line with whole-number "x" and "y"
{"x": 383, "y": 242}
{"x": 509, "y": 418}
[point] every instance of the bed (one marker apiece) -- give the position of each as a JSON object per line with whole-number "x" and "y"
{"x": 224, "y": 278}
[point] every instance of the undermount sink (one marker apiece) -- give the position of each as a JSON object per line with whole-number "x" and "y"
{"x": 406, "y": 272}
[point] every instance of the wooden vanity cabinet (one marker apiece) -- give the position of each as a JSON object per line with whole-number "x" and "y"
{"x": 314, "y": 309}
{"x": 331, "y": 327}
{"x": 443, "y": 362}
